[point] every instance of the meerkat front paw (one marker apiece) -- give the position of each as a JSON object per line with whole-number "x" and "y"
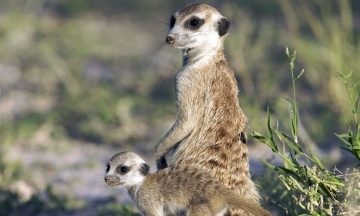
{"x": 161, "y": 163}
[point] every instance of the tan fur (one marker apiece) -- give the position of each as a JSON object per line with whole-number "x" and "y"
{"x": 174, "y": 189}
{"x": 210, "y": 128}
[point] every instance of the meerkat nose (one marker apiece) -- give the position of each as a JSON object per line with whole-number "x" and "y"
{"x": 170, "y": 39}
{"x": 111, "y": 179}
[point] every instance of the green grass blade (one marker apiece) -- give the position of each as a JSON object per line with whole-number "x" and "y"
{"x": 285, "y": 170}
{"x": 264, "y": 140}
{"x": 356, "y": 104}
{"x": 271, "y": 166}
{"x": 294, "y": 119}
{"x": 272, "y": 143}
{"x": 291, "y": 143}
{"x": 315, "y": 159}
{"x": 344, "y": 138}
{"x": 301, "y": 73}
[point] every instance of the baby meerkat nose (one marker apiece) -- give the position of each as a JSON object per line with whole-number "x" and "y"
{"x": 170, "y": 39}
{"x": 111, "y": 179}
{"x": 107, "y": 179}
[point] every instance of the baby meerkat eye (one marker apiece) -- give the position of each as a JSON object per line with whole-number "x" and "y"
{"x": 194, "y": 23}
{"x": 122, "y": 169}
{"x": 107, "y": 168}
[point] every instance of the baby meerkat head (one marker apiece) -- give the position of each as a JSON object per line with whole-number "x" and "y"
{"x": 126, "y": 169}
{"x": 197, "y": 25}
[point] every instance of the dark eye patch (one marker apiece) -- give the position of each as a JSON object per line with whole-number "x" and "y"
{"x": 107, "y": 168}
{"x": 122, "y": 169}
{"x": 172, "y": 22}
{"x": 194, "y": 23}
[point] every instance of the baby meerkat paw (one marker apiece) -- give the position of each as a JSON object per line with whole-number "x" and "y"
{"x": 161, "y": 163}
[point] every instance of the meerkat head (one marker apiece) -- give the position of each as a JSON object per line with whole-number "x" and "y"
{"x": 126, "y": 169}
{"x": 197, "y": 26}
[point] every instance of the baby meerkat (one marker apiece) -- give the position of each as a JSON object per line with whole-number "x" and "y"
{"x": 174, "y": 189}
{"x": 210, "y": 129}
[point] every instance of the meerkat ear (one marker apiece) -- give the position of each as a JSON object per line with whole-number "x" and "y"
{"x": 144, "y": 169}
{"x": 223, "y": 26}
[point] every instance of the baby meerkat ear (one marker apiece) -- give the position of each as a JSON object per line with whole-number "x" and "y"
{"x": 144, "y": 169}
{"x": 223, "y": 26}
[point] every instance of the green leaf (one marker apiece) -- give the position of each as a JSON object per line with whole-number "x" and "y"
{"x": 271, "y": 143}
{"x": 305, "y": 177}
{"x": 258, "y": 136}
{"x": 342, "y": 75}
{"x": 333, "y": 179}
{"x": 349, "y": 74}
{"x": 291, "y": 143}
{"x": 271, "y": 166}
{"x": 285, "y": 170}
{"x": 301, "y": 73}
{"x": 264, "y": 140}
{"x": 355, "y": 84}
{"x": 342, "y": 138}
{"x": 356, "y": 104}
{"x": 356, "y": 147}
{"x": 315, "y": 159}
{"x": 294, "y": 119}
{"x": 287, "y": 51}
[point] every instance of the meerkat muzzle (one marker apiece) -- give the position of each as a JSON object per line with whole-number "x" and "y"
{"x": 112, "y": 180}
{"x": 170, "y": 39}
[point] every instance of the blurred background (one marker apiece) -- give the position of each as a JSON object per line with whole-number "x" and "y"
{"x": 81, "y": 80}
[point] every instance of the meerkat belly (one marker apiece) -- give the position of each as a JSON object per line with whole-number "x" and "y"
{"x": 207, "y": 150}
{"x": 213, "y": 144}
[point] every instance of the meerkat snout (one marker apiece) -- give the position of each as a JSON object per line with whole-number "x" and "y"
{"x": 170, "y": 39}
{"x": 112, "y": 180}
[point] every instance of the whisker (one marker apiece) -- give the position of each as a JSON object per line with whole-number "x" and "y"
{"x": 163, "y": 31}
{"x": 161, "y": 46}
{"x": 162, "y": 22}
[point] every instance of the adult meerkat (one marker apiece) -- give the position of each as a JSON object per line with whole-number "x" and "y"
{"x": 210, "y": 129}
{"x": 173, "y": 189}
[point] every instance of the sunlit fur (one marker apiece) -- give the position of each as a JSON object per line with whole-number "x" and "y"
{"x": 201, "y": 44}
{"x": 175, "y": 189}
{"x": 210, "y": 129}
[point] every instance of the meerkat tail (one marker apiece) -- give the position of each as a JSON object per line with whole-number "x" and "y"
{"x": 234, "y": 200}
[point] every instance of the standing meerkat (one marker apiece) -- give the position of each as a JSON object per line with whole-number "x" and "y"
{"x": 210, "y": 129}
{"x": 174, "y": 189}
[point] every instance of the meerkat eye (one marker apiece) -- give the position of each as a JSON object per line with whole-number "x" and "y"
{"x": 194, "y": 23}
{"x": 107, "y": 168}
{"x": 172, "y": 22}
{"x": 122, "y": 169}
